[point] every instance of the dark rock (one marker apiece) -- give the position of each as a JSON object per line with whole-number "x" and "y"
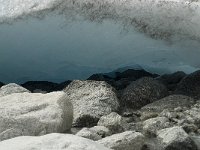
{"x": 171, "y": 80}
{"x": 45, "y": 86}
{"x": 190, "y": 85}
{"x": 121, "y": 84}
{"x": 40, "y": 85}
{"x": 1, "y": 84}
{"x": 196, "y": 139}
{"x": 62, "y": 85}
{"x": 133, "y": 74}
{"x": 99, "y": 77}
{"x": 142, "y": 92}
{"x": 120, "y": 80}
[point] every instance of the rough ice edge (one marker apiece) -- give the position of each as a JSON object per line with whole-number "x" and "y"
{"x": 157, "y": 18}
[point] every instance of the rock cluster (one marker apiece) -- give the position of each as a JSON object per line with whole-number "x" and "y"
{"x": 149, "y": 113}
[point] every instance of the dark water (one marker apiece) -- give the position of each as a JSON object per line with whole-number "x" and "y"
{"x": 54, "y": 49}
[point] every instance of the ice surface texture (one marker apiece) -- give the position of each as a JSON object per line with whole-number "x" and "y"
{"x": 157, "y": 18}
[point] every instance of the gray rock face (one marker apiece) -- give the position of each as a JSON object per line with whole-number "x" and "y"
{"x": 128, "y": 140}
{"x": 151, "y": 126}
{"x": 11, "y": 88}
{"x": 142, "y": 92}
{"x": 190, "y": 85}
{"x": 113, "y": 121}
{"x": 175, "y": 138}
{"x": 101, "y": 131}
{"x": 95, "y": 133}
{"x": 34, "y": 114}
{"x": 54, "y": 141}
{"x": 192, "y": 116}
{"x": 89, "y": 134}
{"x": 91, "y": 100}
{"x": 169, "y": 102}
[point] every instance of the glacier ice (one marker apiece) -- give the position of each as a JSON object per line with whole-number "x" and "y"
{"x": 157, "y": 18}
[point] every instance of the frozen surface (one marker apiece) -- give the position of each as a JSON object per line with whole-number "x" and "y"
{"x": 158, "y": 18}
{"x": 73, "y": 39}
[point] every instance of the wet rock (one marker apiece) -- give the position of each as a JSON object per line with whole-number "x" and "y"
{"x": 142, "y": 92}
{"x": 54, "y": 141}
{"x": 34, "y": 114}
{"x": 175, "y": 138}
{"x": 113, "y": 121}
{"x": 190, "y": 85}
{"x": 12, "y": 88}
{"x": 128, "y": 140}
{"x": 91, "y": 100}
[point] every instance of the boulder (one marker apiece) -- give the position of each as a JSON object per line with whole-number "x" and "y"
{"x": 190, "y": 85}
{"x": 171, "y": 80}
{"x": 170, "y": 102}
{"x": 128, "y": 140}
{"x": 142, "y": 92}
{"x": 33, "y": 114}
{"x": 151, "y": 126}
{"x": 101, "y": 131}
{"x": 95, "y": 133}
{"x": 113, "y": 121}
{"x": 175, "y": 138}
{"x": 91, "y": 100}
{"x": 12, "y": 88}
{"x": 89, "y": 134}
{"x": 54, "y": 141}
